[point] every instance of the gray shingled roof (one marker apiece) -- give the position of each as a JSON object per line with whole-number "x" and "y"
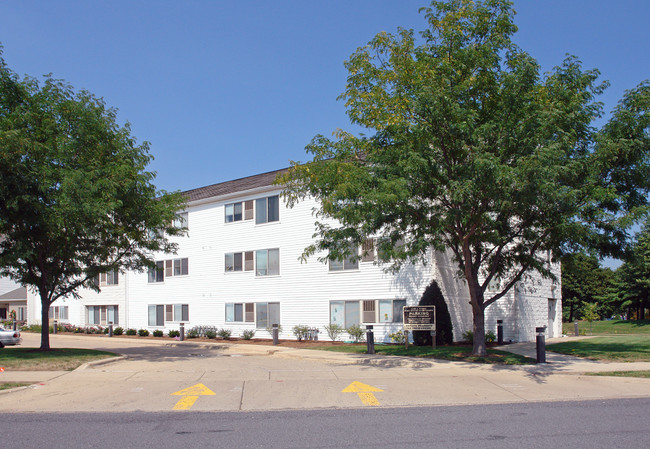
{"x": 234, "y": 186}
{"x": 19, "y": 293}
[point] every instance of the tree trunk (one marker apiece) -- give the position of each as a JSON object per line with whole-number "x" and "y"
{"x": 479, "y": 347}
{"x": 45, "y": 324}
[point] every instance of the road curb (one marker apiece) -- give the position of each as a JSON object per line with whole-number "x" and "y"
{"x": 99, "y": 363}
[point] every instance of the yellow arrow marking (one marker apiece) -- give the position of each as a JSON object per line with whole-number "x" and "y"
{"x": 364, "y": 391}
{"x": 190, "y": 395}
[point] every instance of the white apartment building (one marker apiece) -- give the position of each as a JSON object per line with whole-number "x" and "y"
{"x": 239, "y": 268}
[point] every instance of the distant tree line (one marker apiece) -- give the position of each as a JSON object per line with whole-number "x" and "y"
{"x": 623, "y": 292}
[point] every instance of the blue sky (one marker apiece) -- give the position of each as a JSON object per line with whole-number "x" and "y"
{"x": 228, "y": 88}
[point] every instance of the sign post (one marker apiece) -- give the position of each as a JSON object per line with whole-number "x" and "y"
{"x": 421, "y": 318}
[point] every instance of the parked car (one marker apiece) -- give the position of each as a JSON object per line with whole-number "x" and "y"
{"x": 9, "y": 337}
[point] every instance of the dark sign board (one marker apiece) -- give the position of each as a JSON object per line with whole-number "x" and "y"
{"x": 420, "y": 318}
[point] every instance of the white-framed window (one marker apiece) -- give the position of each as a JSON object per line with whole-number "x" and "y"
{"x": 267, "y": 314}
{"x": 161, "y": 313}
{"x": 267, "y": 209}
{"x": 58, "y": 313}
{"x": 101, "y": 315}
{"x": 21, "y": 313}
{"x": 368, "y": 250}
{"x": 349, "y": 313}
{"x": 351, "y": 262}
{"x": 242, "y": 210}
{"x": 239, "y": 312}
{"x": 181, "y": 220}
{"x": 168, "y": 268}
{"x": 267, "y": 262}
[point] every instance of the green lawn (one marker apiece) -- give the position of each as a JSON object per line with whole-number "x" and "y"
{"x": 610, "y": 327}
{"x": 456, "y": 353}
{"x": 29, "y": 359}
{"x": 623, "y": 348}
{"x": 642, "y": 374}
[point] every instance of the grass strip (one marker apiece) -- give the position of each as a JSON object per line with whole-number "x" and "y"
{"x": 623, "y": 348}
{"x": 60, "y": 359}
{"x": 642, "y": 374}
{"x": 10, "y": 385}
{"x": 454, "y": 353}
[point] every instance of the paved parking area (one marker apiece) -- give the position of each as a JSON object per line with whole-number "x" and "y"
{"x": 251, "y": 377}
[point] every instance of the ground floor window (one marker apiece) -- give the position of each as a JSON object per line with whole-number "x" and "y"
{"x": 21, "y": 313}
{"x": 58, "y": 313}
{"x": 160, "y": 313}
{"x": 350, "y": 313}
{"x": 101, "y": 315}
{"x": 267, "y": 314}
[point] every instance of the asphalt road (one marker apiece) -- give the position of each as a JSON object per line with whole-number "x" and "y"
{"x": 591, "y": 424}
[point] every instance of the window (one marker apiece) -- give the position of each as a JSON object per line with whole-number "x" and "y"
{"x": 349, "y": 313}
{"x": 168, "y": 268}
{"x": 58, "y": 313}
{"x": 180, "y": 221}
{"x": 157, "y": 274}
{"x": 101, "y": 315}
{"x": 349, "y": 263}
{"x": 368, "y": 251}
{"x": 109, "y": 278}
{"x": 267, "y": 314}
{"x": 21, "y": 313}
{"x": 240, "y": 312}
{"x": 233, "y": 212}
{"x": 267, "y": 209}
{"x": 233, "y": 262}
{"x": 159, "y": 313}
{"x": 268, "y": 262}
{"x": 390, "y": 311}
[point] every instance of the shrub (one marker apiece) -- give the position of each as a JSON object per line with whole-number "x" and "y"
{"x": 211, "y": 334}
{"x": 174, "y": 333}
{"x": 270, "y": 330}
{"x": 433, "y": 296}
{"x": 131, "y": 332}
{"x": 248, "y": 334}
{"x": 224, "y": 333}
{"x": 192, "y": 333}
{"x": 490, "y": 337}
{"x": 118, "y": 331}
{"x": 105, "y": 330}
{"x": 157, "y": 333}
{"x": 468, "y": 336}
{"x": 398, "y": 337}
{"x": 333, "y": 331}
{"x": 300, "y": 331}
{"x": 143, "y": 332}
{"x": 356, "y": 333}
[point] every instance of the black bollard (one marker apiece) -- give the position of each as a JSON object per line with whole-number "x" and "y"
{"x": 406, "y": 340}
{"x": 276, "y": 334}
{"x": 54, "y": 324}
{"x": 370, "y": 340}
{"x": 181, "y": 329}
{"x": 541, "y": 345}
{"x": 110, "y": 328}
{"x": 500, "y": 332}
{"x": 15, "y": 324}
{"x": 434, "y": 335}
{"x": 575, "y": 328}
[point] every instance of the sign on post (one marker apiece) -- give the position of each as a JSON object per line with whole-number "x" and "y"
{"x": 420, "y": 318}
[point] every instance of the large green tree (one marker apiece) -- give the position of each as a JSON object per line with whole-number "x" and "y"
{"x": 584, "y": 281}
{"x": 472, "y": 150}
{"x": 630, "y": 290}
{"x": 76, "y": 199}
